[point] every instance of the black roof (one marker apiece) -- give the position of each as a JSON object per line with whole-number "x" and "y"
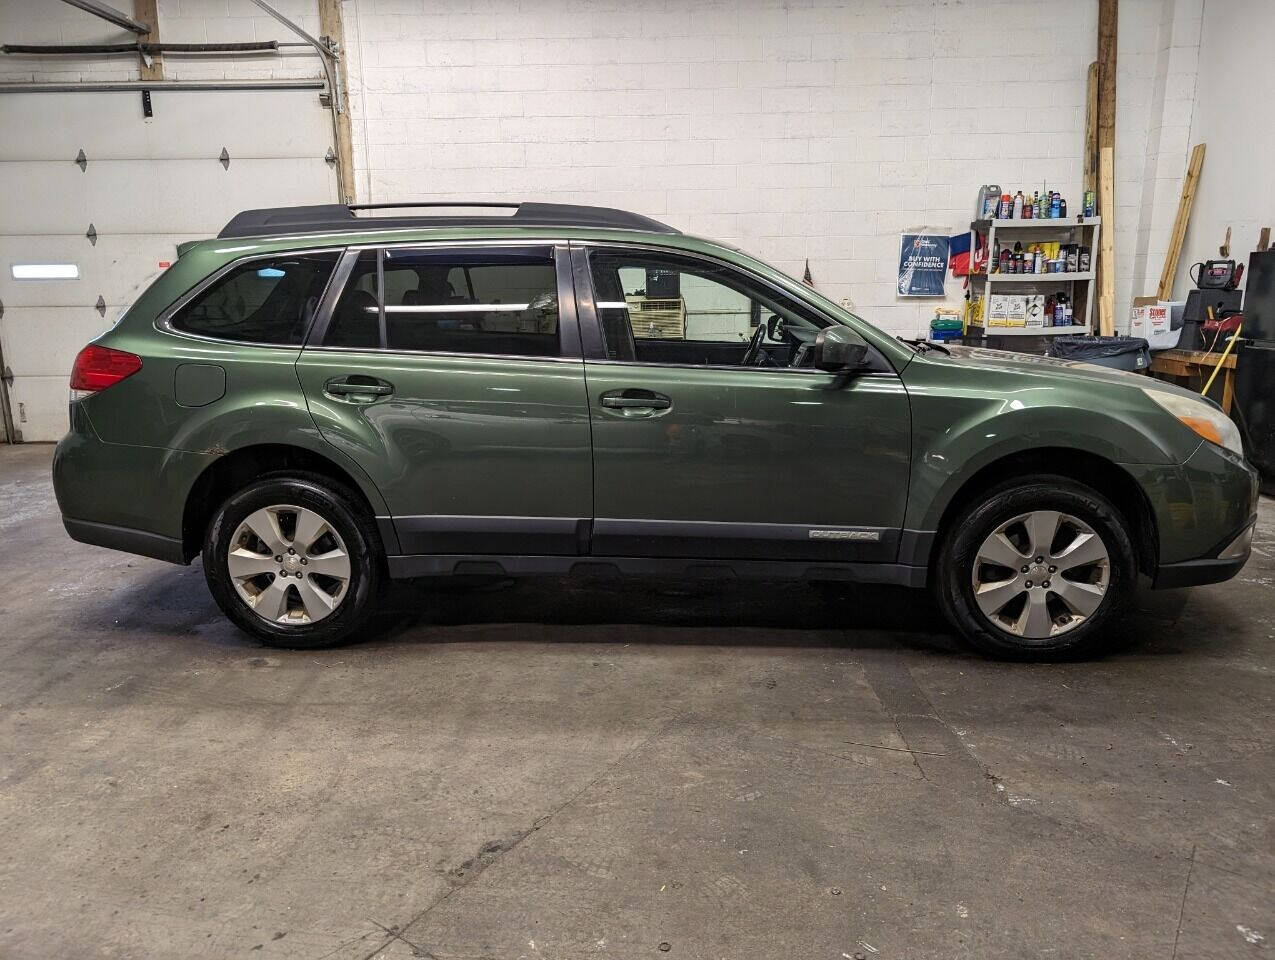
{"x": 330, "y": 217}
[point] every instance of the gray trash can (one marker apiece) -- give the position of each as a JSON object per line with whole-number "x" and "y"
{"x": 1122, "y": 353}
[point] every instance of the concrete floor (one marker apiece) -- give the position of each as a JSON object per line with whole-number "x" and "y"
{"x": 572, "y": 769}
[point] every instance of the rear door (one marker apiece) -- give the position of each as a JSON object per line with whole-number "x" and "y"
{"x": 452, "y": 374}
{"x": 701, "y": 450}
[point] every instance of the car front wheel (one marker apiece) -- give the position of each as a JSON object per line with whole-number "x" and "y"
{"x": 294, "y": 561}
{"x": 1038, "y": 569}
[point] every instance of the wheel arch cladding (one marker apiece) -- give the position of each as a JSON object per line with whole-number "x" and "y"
{"x": 1094, "y": 471}
{"x": 235, "y": 470}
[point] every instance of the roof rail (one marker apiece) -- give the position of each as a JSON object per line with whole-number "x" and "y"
{"x": 341, "y": 217}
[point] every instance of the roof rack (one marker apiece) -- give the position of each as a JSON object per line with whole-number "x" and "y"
{"x": 335, "y": 217}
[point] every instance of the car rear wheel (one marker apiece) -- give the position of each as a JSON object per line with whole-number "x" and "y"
{"x": 1038, "y": 569}
{"x": 294, "y": 561}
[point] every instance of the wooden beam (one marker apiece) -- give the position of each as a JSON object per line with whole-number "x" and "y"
{"x": 1108, "y": 18}
{"x": 1264, "y": 240}
{"x": 1091, "y": 130}
{"x": 1106, "y": 245}
{"x": 145, "y": 10}
{"x": 1108, "y": 15}
{"x": 332, "y": 26}
{"x": 1176, "y": 238}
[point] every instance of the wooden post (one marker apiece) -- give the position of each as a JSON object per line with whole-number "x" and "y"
{"x": 1189, "y": 183}
{"x": 145, "y": 11}
{"x": 1108, "y": 13}
{"x": 332, "y": 26}
{"x": 1106, "y": 245}
{"x": 1091, "y": 130}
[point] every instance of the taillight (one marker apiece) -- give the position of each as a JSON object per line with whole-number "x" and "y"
{"x": 97, "y": 368}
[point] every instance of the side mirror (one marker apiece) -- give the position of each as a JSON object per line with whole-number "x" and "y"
{"x": 839, "y": 350}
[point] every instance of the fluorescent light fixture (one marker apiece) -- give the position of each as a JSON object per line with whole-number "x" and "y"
{"x": 44, "y": 271}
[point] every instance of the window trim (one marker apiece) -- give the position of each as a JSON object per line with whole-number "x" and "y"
{"x": 591, "y": 327}
{"x": 569, "y": 345}
{"x": 164, "y": 322}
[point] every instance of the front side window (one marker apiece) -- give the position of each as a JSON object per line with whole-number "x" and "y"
{"x": 450, "y": 301}
{"x": 660, "y": 308}
{"x": 266, "y": 301}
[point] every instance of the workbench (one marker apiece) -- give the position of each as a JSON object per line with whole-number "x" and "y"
{"x": 1193, "y": 365}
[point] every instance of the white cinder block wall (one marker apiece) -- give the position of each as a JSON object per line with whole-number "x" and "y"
{"x": 794, "y": 129}
{"x": 798, "y": 129}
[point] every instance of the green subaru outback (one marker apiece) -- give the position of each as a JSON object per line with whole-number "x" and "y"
{"x": 321, "y": 398}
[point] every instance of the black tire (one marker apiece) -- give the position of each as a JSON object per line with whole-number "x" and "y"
{"x": 350, "y": 521}
{"x": 953, "y": 586}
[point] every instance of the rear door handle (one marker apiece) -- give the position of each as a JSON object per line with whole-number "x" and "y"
{"x": 635, "y": 400}
{"x": 356, "y": 388}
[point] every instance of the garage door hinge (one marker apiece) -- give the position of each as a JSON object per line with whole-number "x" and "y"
{"x": 100, "y": 306}
{"x": 92, "y": 234}
{"x": 7, "y": 376}
{"x": 225, "y": 158}
{"x": 82, "y": 160}
{"x": 330, "y": 157}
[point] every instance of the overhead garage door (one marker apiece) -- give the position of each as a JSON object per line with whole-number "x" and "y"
{"x": 147, "y": 185}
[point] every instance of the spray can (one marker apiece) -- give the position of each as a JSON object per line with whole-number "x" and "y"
{"x": 1006, "y": 207}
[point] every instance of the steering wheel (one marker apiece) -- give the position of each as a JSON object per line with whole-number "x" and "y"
{"x": 754, "y": 347}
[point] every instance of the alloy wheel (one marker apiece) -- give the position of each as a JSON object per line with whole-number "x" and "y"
{"x": 1041, "y": 574}
{"x": 289, "y": 565}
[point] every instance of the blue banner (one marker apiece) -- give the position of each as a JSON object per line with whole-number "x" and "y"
{"x": 922, "y": 264}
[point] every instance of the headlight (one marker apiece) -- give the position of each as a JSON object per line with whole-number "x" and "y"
{"x": 1202, "y": 417}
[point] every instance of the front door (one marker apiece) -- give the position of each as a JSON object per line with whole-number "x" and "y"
{"x": 713, "y": 436}
{"x": 452, "y": 375}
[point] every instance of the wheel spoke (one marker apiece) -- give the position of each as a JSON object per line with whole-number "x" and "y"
{"x": 1085, "y": 550}
{"x": 1081, "y": 599}
{"x": 998, "y": 550}
{"x": 243, "y": 564}
{"x": 272, "y": 602}
{"x": 265, "y": 524}
{"x": 334, "y": 564}
{"x": 992, "y": 597}
{"x": 310, "y": 527}
{"x": 1034, "y": 622}
{"x": 1042, "y": 526}
{"x": 318, "y": 604}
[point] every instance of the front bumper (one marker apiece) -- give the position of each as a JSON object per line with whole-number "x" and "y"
{"x": 1193, "y": 573}
{"x": 1205, "y": 515}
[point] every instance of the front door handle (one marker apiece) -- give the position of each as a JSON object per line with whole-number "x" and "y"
{"x": 635, "y": 400}
{"x": 356, "y": 388}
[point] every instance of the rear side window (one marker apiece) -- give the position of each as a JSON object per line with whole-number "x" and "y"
{"x": 490, "y": 301}
{"x": 268, "y": 301}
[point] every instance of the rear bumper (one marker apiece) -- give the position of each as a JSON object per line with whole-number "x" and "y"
{"x": 124, "y": 497}
{"x": 126, "y": 539}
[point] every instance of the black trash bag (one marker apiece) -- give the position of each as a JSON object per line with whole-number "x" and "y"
{"x": 1122, "y": 353}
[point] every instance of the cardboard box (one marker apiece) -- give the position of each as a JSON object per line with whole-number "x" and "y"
{"x": 1036, "y": 310}
{"x": 1153, "y": 323}
{"x": 997, "y": 307}
{"x": 1015, "y": 311}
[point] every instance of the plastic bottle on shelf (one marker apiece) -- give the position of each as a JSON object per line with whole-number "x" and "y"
{"x": 1055, "y": 202}
{"x": 1062, "y": 208}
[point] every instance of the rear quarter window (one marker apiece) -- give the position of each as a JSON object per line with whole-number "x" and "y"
{"x": 267, "y": 301}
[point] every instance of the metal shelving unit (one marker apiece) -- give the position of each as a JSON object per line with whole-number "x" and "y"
{"x": 1079, "y": 286}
